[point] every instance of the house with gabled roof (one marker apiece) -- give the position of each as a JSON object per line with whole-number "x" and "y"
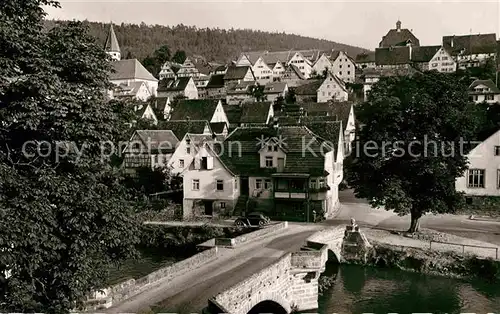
{"x": 168, "y": 70}
{"x": 471, "y": 50}
{"x": 188, "y": 69}
{"x": 433, "y": 58}
{"x": 484, "y": 91}
{"x": 195, "y": 109}
{"x": 343, "y": 66}
{"x": 239, "y": 93}
{"x": 238, "y": 74}
{"x": 281, "y": 177}
{"x": 322, "y": 90}
{"x": 292, "y": 76}
{"x": 278, "y": 69}
{"x": 273, "y": 90}
{"x": 399, "y": 37}
{"x": 233, "y": 114}
{"x": 210, "y": 186}
{"x": 181, "y": 127}
{"x": 162, "y": 107}
{"x": 263, "y": 72}
{"x": 149, "y": 148}
{"x": 180, "y": 87}
{"x": 132, "y": 90}
{"x": 256, "y": 113}
{"x": 215, "y": 88}
{"x": 186, "y": 149}
{"x": 322, "y": 63}
{"x": 146, "y": 112}
{"x": 482, "y": 178}
{"x": 128, "y": 71}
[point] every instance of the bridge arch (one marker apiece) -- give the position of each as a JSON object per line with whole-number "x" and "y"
{"x": 333, "y": 257}
{"x": 268, "y": 302}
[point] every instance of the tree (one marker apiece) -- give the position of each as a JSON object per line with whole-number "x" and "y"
{"x": 64, "y": 214}
{"x": 290, "y": 96}
{"x": 162, "y": 55}
{"x": 257, "y": 92}
{"x": 411, "y": 144}
{"x": 179, "y": 56}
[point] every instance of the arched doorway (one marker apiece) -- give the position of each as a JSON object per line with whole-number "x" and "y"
{"x": 268, "y": 307}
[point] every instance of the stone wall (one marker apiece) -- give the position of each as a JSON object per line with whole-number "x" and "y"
{"x": 271, "y": 283}
{"x": 333, "y": 237}
{"x": 131, "y": 287}
{"x": 227, "y": 242}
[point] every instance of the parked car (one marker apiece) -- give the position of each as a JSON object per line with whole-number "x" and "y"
{"x": 252, "y": 219}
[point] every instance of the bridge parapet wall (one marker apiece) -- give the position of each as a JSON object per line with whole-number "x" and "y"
{"x": 333, "y": 237}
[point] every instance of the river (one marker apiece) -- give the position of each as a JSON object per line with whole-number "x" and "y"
{"x": 356, "y": 289}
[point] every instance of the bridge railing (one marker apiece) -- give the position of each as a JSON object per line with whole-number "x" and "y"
{"x": 490, "y": 251}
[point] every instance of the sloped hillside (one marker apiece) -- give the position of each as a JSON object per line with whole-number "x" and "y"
{"x": 140, "y": 41}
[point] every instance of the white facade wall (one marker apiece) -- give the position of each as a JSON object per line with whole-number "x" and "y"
{"x": 344, "y": 68}
{"x": 483, "y": 158}
{"x": 442, "y": 62}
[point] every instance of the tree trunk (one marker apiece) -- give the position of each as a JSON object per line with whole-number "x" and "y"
{"x": 415, "y": 222}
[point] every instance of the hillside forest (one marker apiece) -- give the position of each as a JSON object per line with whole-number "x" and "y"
{"x": 214, "y": 44}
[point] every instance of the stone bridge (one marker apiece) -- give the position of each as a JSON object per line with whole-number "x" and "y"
{"x": 290, "y": 284}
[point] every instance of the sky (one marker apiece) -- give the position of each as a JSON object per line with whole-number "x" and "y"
{"x": 358, "y": 23}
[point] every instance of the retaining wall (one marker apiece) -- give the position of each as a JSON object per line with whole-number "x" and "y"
{"x": 232, "y": 242}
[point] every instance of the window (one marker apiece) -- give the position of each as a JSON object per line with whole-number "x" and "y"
{"x": 196, "y": 185}
{"x": 497, "y": 150}
{"x": 489, "y": 97}
{"x": 348, "y": 65}
{"x": 258, "y": 184}
{"x": 269, "y": 161}
{"x": 223, "y": 205}
{"x": 348, "y": 72}
{"x": 220, "y": 185}
{"x": 340, "y": 73}
{"x": 235, "y": 184}
{"x": 321, "y": 183}
{"x": 475, "y": 178}
{"x": 267, "y": 184}
{"x": 340, "y": 66}
{"x": 188, "y": 150}
{"x": 444, "y": 58}
{"x": 204, "y": 163}
{"x": 181, "y": 163}
{"x": 498, "y": 178}
{"x": 312, "y": 184}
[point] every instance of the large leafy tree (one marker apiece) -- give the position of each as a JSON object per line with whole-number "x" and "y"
{"x": 257, "y": 92}
{"x": 411, "y": 144}
{"x": 179, "y": 56}
{"x": 64, "y": 214}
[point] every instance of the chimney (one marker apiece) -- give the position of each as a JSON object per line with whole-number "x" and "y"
{"x": 452, "y": 41}
{"x": 410, "y": 48}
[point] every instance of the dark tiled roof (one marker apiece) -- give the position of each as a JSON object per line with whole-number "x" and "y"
{"x": 293, "y": 68}
{"x": 488, "y": 83}
{"x": 217, "y": 127}
{"x": 165, "y": 140}
{"x": 236, "y": 73}
{"x": 130, "y": 69}
{"x": 233, "y": 113}
{"x": 181, "y": 127}
{"x": 396, "y": 37}
{"x": 178, "y": 84}
{"x": 341, "y": 111}
{"x": 194, "y": 109}
{"x": 244, "y": 158}
{"x": 111, "y": 43}
{"x": 470, "y": 44}
{"x": 326, "y": 130}
{"x": 160, "y": 103}
{"x": 365, "y": 57}
{"x": 255, "y": 112}
{"x": 309, "y": 88}
{"x": 216, "y": 81}
{"x": 423, "y": 53}
{"x": 392, "y": 55}
{"x": 275, "y": 87}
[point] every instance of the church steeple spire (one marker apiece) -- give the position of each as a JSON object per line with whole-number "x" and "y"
{"x": 398, "y": 25}
{"x": 111, "y": 46}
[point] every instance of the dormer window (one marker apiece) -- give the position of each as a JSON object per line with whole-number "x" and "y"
{"x": 272, "y": 148}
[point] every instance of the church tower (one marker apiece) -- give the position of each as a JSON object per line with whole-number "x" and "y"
{"x": 111, "y": 46}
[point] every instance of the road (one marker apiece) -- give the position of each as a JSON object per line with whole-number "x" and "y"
{"x": 190, "y": 292}
{"x": 459, "y": 225}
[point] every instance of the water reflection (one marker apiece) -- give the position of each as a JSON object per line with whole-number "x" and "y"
{"x": 378, "y": 290}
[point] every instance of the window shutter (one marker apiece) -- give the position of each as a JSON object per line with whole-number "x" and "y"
{"x": 197, "y": 163}
{"x": 210, "y": 162}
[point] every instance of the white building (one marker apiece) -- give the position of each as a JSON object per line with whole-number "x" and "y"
{"x": 344, "y": 67}
{"x": 482, "y": 177}
{"x": 484, "y": 91}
